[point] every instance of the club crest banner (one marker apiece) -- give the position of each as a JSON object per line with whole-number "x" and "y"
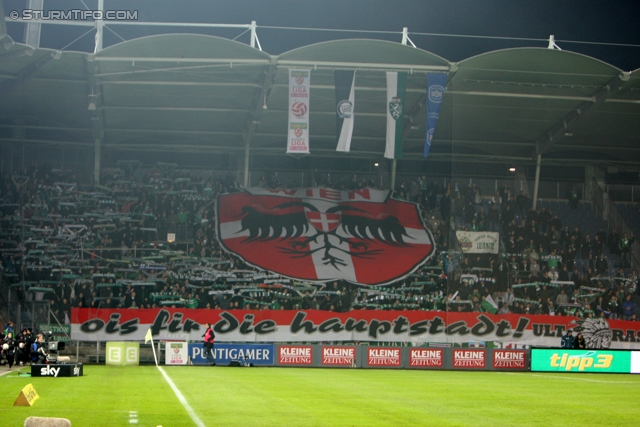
{"x": 345, "y": 83}
{"x": 320, "y": 234}
{"x": 436, "y": 84}
{"x": 298, "y": 133}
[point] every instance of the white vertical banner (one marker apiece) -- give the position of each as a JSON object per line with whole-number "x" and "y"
{"x": 298, "y": 134}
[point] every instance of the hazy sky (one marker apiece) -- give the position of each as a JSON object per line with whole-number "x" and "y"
{"x": 615, "y": 21}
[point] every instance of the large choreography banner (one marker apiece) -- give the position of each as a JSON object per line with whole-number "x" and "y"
{"x": 319, "y": 234}
{"x": 416, "y": 327}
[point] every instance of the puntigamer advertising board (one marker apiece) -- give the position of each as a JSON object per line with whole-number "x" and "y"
{"x": 568, "y": 360}
{"x": 254, "y": 354}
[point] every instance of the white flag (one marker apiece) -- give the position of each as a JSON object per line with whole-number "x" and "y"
{"x": 298, "y": 132}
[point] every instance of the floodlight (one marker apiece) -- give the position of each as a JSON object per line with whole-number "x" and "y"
{"x": 92, "y": 102}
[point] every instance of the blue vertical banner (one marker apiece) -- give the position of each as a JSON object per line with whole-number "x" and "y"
{"x": 435, "y": 93}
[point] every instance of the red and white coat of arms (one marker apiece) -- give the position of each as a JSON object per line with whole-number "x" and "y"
{"x": 319, "y": 234}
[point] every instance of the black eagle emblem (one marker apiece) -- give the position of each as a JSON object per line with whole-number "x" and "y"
{"x": 298, "y": 224}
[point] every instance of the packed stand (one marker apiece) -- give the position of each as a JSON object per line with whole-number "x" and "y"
{"x": 100, "y": 247}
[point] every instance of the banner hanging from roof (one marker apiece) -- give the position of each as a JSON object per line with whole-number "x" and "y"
{"x": 396, "y": 94}
{"x": 345, "y": 82}
{"x": 320, "y": 234}
{"x": 298, "y": 127}
{"x": 435, "y": 94}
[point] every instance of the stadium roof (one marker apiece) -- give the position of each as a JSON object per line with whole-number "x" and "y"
{"x": 198, "y": 93}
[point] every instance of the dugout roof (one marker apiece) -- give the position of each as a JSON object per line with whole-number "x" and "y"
{"x": 197, "y": 93}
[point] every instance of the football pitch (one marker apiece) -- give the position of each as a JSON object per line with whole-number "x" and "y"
{"x": 223, "y": 396}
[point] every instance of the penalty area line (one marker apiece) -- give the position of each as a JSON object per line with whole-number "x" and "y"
{"x": 182, "y": 399}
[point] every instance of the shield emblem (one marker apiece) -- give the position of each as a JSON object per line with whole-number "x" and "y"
{"x": 395, "y": 108}
{"x": 436, "y": 93}
{"x": 324, "y": 222}
{"x": 345, "y": 109}
{"x": 319, "y": 234}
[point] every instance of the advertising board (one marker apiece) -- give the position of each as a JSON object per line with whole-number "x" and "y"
{"x": 295, "y": 355}
{"x": 338, "y": 356}
{"x": 384, "y": 357}
{"x": 570, "y": 360}
{"x": 225, "y": 353}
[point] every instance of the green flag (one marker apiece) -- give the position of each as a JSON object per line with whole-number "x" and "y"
{"x": 396, "y": 96}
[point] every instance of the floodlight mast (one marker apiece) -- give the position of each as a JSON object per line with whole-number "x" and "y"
{"x": 552, "y": 43}
{"x": 32, "y": 30}
{"x": 99, "y": 27}
{"x": 405, "y": 39}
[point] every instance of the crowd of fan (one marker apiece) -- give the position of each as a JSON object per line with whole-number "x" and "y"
{"x": 98, "y": 247}
{"x": 546, "y": 267}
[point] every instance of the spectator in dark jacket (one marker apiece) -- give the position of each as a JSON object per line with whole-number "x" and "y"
{"x": 567, "y": 340}
{"x": 580, "y": 341}
{"x": 628, "y": 308}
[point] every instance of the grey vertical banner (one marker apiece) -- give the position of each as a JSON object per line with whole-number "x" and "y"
{"x": 345, "y": 107}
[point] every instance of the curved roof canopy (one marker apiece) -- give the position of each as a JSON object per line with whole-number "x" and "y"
{"x": 195, "y": 93}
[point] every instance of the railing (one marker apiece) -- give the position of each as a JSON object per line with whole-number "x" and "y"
{"x": 624, "y": 193}
{"x": 611, "y": 214}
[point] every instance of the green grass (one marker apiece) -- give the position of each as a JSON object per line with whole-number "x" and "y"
{"x": 224, "y": 396}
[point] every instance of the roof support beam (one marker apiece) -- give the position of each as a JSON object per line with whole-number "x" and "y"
{"x": 568, "y": 122}
{"x": 372, "y": 89}
{"x": 536, "y": 182}
{"x": 190, "y": 109}
{"x": 94, "y": 101}
{"x": 520, "y": 95}
{"x": 223, "y": 61}
{"x": 170, "y": 83}
{"x": 257, "y": 108}
{"x": 363, "y": 66}
{"x": 52, "y": 128}
{"x": 27, "y": 51}
{"x": 319, "y": 152}
{"x": 222, "y": 110}
{"x": 26, "y": 73}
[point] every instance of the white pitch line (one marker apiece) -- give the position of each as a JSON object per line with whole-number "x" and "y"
{"x": 573, "y": 378}
{"x": 182, "y": 399}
